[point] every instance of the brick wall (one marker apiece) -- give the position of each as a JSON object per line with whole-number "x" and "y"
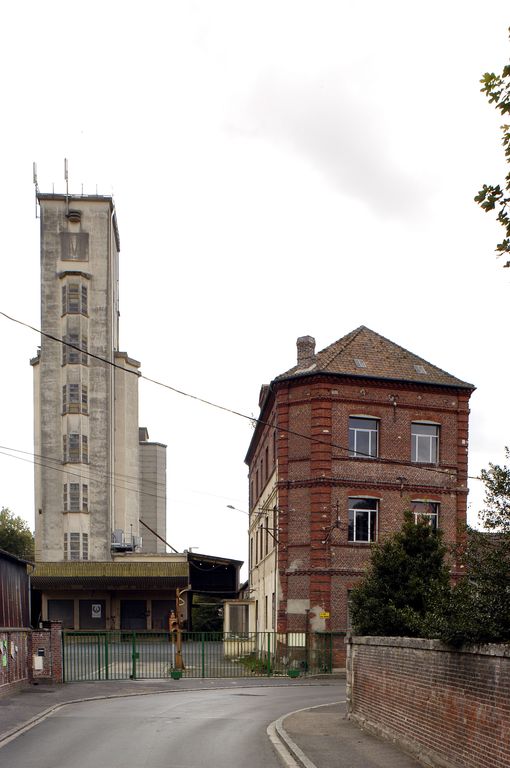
{"x": 46, "y": 646}
{"x": 450, "y": 708}
{"x": 316, "y": 476}
{"x": 14, "y": 653}
{"x": 18, "y": 650}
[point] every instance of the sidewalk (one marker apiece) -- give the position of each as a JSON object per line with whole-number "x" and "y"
{"x": 320, "y": 737}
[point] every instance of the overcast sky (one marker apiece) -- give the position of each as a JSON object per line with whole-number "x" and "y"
{"x": 279, "y": 169}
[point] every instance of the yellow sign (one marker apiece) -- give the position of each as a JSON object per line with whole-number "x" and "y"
{"x": 324, "y": 614}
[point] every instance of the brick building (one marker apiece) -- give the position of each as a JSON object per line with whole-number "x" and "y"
{"x": 346, "y": 441}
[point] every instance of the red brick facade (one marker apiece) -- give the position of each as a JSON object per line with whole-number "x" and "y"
{"x": 448, "y": 707}
{"x": 316, "y": 476}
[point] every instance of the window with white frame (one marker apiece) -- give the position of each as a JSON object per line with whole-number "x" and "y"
{"x": 363, "y": 437}
{"x": 76, "y": 546}
{"x": 362, "y": 519}
{"x": 76, "y": 497}
{"x": 424, "y": 442}
{"x": 426, "y": 510}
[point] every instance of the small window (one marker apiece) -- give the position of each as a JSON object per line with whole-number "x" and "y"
{"x": 71, "y": 355}
{"x": 75, "y": 448}
{"x": 74, "y": 299}
{"x": 420, "y": 369}
{"x": 75, "y": 500}
{"x": 359, "y": 363}
{"x": 76, "y": 546}
{"x": 362, "y": 519}
{"x": 424, "y": 443}
{"x": 363, "y": 437}
{"x": 426, "y": 510}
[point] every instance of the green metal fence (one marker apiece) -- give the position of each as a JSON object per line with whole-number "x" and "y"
{"x": 123, "y": 655}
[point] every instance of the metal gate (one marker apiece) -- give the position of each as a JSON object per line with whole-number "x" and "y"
{"x": 124, "y": 655}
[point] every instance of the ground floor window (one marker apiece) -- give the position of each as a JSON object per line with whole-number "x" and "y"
{"x": 426, "y": 510}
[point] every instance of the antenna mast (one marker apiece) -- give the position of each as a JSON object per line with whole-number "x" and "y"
{"x": 66, "y": 176}
{"x": 34, "y": 176}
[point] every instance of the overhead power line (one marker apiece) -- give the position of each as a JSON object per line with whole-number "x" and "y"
{"x": 226, "y": 409}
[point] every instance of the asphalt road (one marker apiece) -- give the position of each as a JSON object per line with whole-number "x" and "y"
{"x": 192, "y": 729}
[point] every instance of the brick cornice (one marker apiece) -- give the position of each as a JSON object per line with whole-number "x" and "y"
{"x": 353, "y": 482}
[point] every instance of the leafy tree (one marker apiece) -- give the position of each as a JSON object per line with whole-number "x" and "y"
{"x": 478, "y": 608}
{"x": 206, "y": 616}
{"x": 496, "y": 515}
{"x": 15, "y": 535}
{"x": 497, "y": 90}
{"x": 407, "y": 578}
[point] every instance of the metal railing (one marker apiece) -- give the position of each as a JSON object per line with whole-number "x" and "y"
{"x": 127, "y": 654}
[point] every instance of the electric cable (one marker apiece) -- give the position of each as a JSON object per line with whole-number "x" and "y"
{"x": 318, "y": 441}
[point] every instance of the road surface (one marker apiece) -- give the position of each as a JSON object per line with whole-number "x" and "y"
{"x": 185, "y": 729}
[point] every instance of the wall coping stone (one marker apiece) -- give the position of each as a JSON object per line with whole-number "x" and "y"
{"x": 418, "y": 643}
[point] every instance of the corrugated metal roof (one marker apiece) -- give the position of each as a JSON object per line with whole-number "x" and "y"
{"x": 93, "y": 569}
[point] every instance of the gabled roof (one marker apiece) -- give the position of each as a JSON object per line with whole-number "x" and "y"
{"x": 366, "y": 354}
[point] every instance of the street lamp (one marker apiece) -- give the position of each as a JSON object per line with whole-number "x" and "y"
{"x": 230, "y": 506}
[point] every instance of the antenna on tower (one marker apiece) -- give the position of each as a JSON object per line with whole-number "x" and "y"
{"x": 34, "y": 176}
{"x": 66, "y": 176}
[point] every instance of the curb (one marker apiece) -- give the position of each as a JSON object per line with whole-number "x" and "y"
{"x": 286, "y": 748}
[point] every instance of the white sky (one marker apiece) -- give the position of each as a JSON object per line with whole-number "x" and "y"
{"x": 279, "y": 169}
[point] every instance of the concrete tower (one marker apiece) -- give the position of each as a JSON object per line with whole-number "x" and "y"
{"x": 88, "y": 475}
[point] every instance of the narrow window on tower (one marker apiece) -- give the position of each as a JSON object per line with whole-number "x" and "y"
{"x": 74, "y": 299}
{"x": 74, "y": 548}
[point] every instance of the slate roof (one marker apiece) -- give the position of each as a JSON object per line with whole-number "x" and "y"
{"x": 366, "y": 354}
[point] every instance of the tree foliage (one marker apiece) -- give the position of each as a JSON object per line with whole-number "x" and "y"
{"x": 406, "y": 579}
{"x": 491, "y": 197}
{"x": 478, "y": 609}
{"x": 496, "y": 515}
{"x": 407, "y": 592}
{"x": 15, "y": 535}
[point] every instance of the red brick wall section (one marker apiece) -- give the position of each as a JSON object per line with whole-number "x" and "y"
{"x": 448, "y": 707}
{"x": 46, "y": 644}
{"x": 14, "y": 647}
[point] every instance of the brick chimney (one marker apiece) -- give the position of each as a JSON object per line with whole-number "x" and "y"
{"x": 305, "y": 351}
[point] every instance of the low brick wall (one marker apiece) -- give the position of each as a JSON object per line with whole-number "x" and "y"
{"x": 30, "y": 655}
{"x": 450, "y": 708}
{"x": 14, "y": 654}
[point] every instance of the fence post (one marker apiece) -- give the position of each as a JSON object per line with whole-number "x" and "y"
{"x": 203, "y": 655}
{"x": 133, "y": 657}
{"x": 99, "y": 657}
{"x": 63, "y": 656}
{"x": 269, "y": 654}
{"x": 107, "y": 675}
